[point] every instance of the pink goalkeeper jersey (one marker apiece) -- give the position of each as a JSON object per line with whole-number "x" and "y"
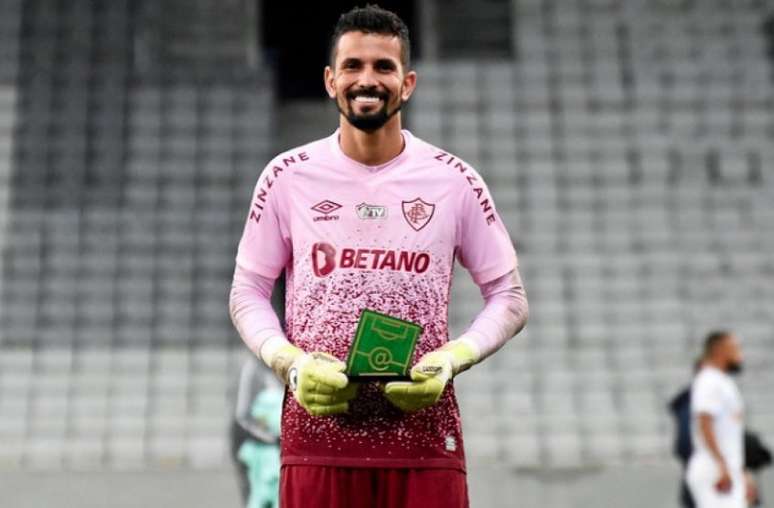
{"x": 350, "y": 237}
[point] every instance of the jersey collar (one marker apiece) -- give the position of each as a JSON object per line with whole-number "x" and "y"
{"x": 336, "y": 148}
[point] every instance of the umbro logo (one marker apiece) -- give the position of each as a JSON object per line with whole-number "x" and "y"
{"x": 326, "y": 208}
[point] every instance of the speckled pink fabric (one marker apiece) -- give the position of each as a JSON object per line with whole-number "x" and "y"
{"x": 385, "y": 238}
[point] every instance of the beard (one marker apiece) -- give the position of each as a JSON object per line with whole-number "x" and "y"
{"x": 373, "y": 120}
{"x": 734, "y": 368}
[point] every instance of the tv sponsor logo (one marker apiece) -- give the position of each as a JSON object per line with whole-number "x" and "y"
{"x": 371, "y": 212}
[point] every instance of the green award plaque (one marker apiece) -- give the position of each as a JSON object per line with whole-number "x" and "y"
{"x": 383, "y": 347}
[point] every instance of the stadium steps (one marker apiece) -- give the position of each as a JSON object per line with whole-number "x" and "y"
{"x": 201, "y": 40}
{"x": 124, "y": 408}
{"x": 638, "y": 208}
{"x": 129, "y": 196}
{"x": 626, "y": 147}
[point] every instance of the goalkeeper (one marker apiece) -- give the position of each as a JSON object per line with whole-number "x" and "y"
{"x": 371, "y": 217}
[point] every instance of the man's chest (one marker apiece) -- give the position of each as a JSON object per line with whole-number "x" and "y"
{"x": 416, "y": 213}
{"x": 731, "y": 402}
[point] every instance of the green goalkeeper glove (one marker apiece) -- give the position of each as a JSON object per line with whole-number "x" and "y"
{"x": 430, "y": 375}
{"x": 317, "y": 379}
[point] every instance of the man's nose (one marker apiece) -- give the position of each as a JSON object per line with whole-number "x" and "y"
{"x": 367, "y": 77}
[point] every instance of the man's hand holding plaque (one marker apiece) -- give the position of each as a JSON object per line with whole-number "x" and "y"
{"x": 430, "y": 375}
{"x": 382, "y": 350}
{"x": 316, "y": 380}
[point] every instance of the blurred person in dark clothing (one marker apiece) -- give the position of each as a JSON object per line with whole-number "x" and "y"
{"x": 680, "y": 407}
{"x": 254, "y": 378}
{"x": 756, "y": 458}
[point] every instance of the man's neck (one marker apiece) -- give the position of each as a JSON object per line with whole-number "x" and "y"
{"x": 716, "y": 363}
{"x": 374, "y": 148}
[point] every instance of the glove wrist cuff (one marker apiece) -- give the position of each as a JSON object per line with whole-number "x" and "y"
{"x": 463, "y": 353}
{"x": 279, "y": 355}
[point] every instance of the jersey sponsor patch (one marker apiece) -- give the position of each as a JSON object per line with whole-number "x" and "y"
{"x": 371, "y": 212}
{"x": 326, "y": 208}
{"x": 326, "y": 258}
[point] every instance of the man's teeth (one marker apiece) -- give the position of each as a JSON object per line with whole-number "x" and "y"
{"x": 367, "y": 100}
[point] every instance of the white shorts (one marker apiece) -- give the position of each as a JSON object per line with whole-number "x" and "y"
{"x": 701, "y": 476}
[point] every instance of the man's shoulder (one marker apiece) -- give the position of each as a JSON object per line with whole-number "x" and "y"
{"x": 301, "y": 155}
{"x": 282, "y": 166}
{"x": 440, "y": 155}
{"x": 704, "y": 374}
{"x": 712, "y": 377}
{"x": 449, "y": 162}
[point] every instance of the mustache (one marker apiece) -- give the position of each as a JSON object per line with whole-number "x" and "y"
{"x": 369, "y": 91}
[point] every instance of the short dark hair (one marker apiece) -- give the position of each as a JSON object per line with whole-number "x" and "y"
{"x": 372, "y": 19}
{"x": 713, "y": 339}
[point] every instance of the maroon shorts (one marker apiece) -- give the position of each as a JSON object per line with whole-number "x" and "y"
{"x": 351, "y": 487}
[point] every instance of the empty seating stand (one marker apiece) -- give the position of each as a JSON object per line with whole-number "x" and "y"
{"x": 626, "y": 148}
{"x": 627, "y": 145}
{"x": 127, "y": 198}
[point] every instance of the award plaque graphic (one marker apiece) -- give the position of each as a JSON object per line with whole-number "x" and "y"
{"x": 383, "y": 347}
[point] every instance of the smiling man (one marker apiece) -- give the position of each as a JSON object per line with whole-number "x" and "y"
{"x": 371, "y": 217}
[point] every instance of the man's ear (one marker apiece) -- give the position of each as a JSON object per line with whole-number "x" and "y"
{"x": 329, "y": 82}
{"x": 409, "y": 84}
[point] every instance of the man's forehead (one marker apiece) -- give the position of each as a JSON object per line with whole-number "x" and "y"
{"x": 730, "y": 341}
{"x": 368, "y": 46}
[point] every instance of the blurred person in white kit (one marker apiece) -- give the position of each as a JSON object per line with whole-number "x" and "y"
{"x": 715, "y": 473}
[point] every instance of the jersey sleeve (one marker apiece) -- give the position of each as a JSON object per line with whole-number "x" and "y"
{"x": 706, "y": 396}
{"x": 483, "y": 244}
{"x": 265, "y": 246}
